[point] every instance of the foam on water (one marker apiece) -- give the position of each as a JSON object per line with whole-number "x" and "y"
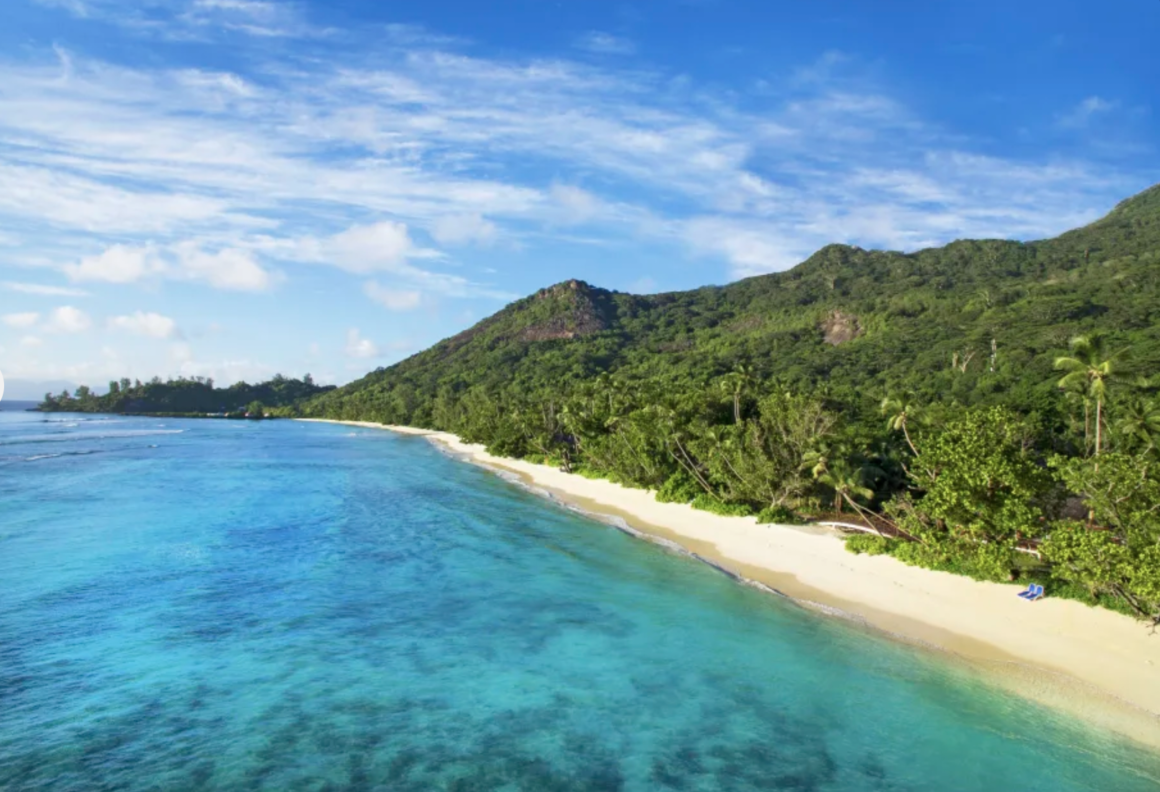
{"x": 276, "y": 606}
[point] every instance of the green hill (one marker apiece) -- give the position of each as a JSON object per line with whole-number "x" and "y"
{"x": 987, "y": 407}
{"x": 971, "y": 322}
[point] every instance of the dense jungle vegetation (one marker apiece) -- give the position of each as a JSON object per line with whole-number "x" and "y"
{"x": 186, "y": 396}
{"x": 988, "y": 407}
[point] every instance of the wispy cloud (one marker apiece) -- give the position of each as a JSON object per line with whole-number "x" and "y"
{"x": 44, "y": 289}
{"x": 392, "y": 299}
{"x": 605, "y": 43}
{"x": 1084, "y": 112}
{"x": 468, "y": 229}
{"x": 192, "y": 19}
{"x": 152, "y": 325}
{"x": 21, "y": 320}
{"x": 373, "y": 164}
{"x": 224, "y": 268}
{"x": 67, "y": 319}
{"x": 359, "y": 347}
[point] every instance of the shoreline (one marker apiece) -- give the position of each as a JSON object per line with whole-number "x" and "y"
{"x": 1094, "y": 664}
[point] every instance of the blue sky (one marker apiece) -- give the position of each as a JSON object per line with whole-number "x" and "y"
{"x": 234, "y": 188}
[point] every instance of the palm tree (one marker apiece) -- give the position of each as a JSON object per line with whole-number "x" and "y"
{"x": 1140, "y": 422}
{"x": 1090, "y": 368}
{"x": 735, "y": 383}
{"x": 817, "y": 460}
{"x": 1082, "y": 397}
{"x": 898, "y": 412}
{"x": 847, "y": 482}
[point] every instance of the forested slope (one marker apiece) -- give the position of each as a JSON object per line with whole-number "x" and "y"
{"x": 972, "y": 322}
{"x": 989, "y": 407}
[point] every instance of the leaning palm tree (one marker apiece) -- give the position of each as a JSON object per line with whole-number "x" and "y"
{"x": 847, "y": 482}
{"x": 1090, "y": 368}
{"x": 898, "y": 412}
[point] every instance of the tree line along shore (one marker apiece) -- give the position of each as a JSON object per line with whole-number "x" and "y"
{"x": 188, "y": 397}
{"x": 980, "y": 491}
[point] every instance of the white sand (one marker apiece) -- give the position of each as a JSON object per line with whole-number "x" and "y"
{"x": 1094, "y": 663}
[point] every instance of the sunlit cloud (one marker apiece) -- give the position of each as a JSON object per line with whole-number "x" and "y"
{"x": 359, "y": 347}
{"x": 392, "y": 299}
{"x": 152, "y": 325}
{"x": 21, "y": 320}
{"x": 603, "y": 43}
{"x": 423, "y": 141}
{"x": 67, "y": 319}
{"x": 44, "y": 290}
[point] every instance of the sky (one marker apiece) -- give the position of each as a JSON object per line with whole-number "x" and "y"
{"x": 238, "y": 188}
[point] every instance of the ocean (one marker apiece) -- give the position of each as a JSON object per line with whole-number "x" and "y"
{"x": 228, "y": 605}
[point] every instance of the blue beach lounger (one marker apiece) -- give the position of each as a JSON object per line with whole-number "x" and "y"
{"x": 1033, "y": 592}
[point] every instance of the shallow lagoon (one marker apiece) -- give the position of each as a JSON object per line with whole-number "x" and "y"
{"x": 218, "y": 605}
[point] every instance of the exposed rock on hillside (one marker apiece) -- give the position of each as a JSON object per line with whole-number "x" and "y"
{"x": 839, "y": 327}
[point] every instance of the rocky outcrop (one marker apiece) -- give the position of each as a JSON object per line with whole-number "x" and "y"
{"x": 574, "y": 313}
{"x": 838, "y": 328}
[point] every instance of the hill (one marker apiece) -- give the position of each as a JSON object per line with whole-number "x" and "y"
{"x": 987, "y": 407}
{"x": 973, "y": 322}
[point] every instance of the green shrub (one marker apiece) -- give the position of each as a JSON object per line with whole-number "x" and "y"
{"x": 780, "y": 515}
{"x": 679, "y": 488}
{"x": 869, "y": 544}
{"x": 979, "y": 561}
{"x": 706, "y": 502}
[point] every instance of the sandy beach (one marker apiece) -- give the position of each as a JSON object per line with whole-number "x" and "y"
{"x": 1092, "y": 663}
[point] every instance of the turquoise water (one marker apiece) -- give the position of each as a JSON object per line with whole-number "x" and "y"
{"x": 219, "y": 605}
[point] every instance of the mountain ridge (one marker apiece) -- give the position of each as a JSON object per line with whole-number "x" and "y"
{"x": 846, "y": 317}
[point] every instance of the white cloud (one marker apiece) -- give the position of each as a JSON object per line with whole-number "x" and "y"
{"x": 76, "y": 7}
{"x": 1083, "y": 113}
{"x": 183, "y": 360}
{"x": 605, "y": 43}
{"x": 68, "y": 319}
{"x": 266, "y": 18}
{"x": 186, "y": 20}
{"x": 44, "y": 290}
{"x": 392, "y": 299}
{"x": 751, "y": 250}
{"x": 203, "y": 175}
{"x": 359, "y": 347}
{"x": 574, "y": 205}
{"x": 21, "y": 320}
{"x": 31, "y": 341}
{"x": 379, "y": 247}
{"x": 226, "y": 268}
{"x": 89, "y": 203}
{"x": 643, "y": 285}
{"x": 463, "y": 229}
{"x": 117, "y": 264}
{"x": 149, "y": 324}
